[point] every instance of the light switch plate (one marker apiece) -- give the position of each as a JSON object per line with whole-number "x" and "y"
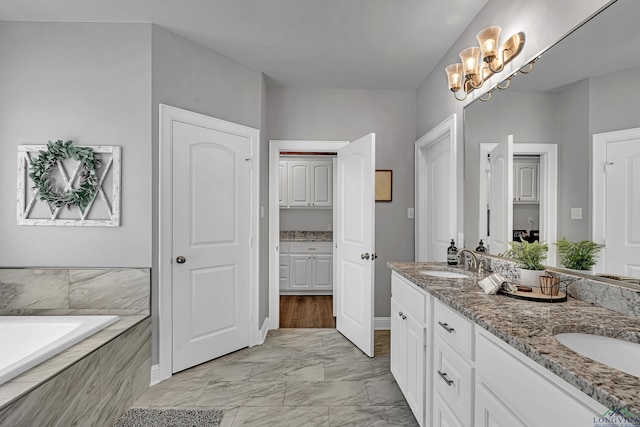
{"x": 410, "y": 213}
{"x": 576, "y": 213}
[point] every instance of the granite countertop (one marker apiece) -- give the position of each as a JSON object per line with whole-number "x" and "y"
{"x": 530, "y": 327}
{"x": 306, "y": 236}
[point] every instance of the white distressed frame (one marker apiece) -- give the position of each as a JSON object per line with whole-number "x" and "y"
{"x": 112, "y": 203}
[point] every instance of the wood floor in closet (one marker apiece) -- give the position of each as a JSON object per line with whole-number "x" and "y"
{"x": 306, "y": 311}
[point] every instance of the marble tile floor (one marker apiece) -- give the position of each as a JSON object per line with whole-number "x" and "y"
{"x": 299, "y": 377}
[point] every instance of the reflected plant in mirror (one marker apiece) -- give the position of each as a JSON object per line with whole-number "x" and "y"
{"x": 578, "y": 255}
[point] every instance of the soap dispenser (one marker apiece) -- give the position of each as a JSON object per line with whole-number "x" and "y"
{"x": 481, "y": 247}
{"x": 452, "y": 254}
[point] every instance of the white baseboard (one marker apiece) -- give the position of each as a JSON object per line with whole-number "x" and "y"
{"x": 382, "y": 323}
{"x": 263, "y": 331}
{"x": 155, "y": 375}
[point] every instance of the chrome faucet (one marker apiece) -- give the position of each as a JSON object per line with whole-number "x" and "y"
{"x": 475, "y": 263}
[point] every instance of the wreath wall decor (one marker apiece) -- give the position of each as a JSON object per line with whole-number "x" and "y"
{"x": 85, "y": 179}
{"x": 47, "y": 160}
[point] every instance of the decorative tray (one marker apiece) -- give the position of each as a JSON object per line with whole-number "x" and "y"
{"x": 534, "y": 295}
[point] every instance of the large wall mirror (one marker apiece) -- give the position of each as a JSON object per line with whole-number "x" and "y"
{"x": 584, "y": 88}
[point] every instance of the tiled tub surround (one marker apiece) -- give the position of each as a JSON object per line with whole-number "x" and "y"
{"x": 530, "y": 327}
{"x": 96, "y": 380}
{"x": 306, "y": 236}
{"x": 122, "y": 291}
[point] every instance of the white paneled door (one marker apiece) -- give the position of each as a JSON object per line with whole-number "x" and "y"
{"x": 211, "y": 243}
{"x": 355, "y": 242}
{"x": 501, "y": 196}
{"x": 622, "y": 202}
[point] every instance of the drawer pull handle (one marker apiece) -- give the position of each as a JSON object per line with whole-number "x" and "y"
{"x": 443, "y": 375}
{"x": 446, "y": 327}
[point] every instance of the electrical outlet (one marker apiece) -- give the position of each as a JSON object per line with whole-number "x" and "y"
{"x": 410, "y": 213}
{"x": 530, "y": 219}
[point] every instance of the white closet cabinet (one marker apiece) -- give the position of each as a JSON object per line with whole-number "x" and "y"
{"x": 284, "y": 186}
{"x": 309, "y": 183}
{"x": 310, "y": 266}
{"x": 525, "y": 180}
{"x": 409, "y": 308}
{"x": 284, "y": 266}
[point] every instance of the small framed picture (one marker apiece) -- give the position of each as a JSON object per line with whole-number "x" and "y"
{"x": 383, "y": 185}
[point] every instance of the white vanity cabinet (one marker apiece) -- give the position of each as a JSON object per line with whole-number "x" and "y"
{"x": 453, "y": 366}
{"x": 409, "y": 357}
{"x": 310, "y": 266}
{"x": 309, "y": 183}
{"x": 525, "y": 180}
{"x": 513, "y": 390}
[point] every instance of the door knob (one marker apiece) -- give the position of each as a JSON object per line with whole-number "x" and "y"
{"x": 181, "y": 260}
{"x": 365, "y": 255}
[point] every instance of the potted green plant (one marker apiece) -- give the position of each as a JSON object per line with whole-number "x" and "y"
{"x": 529, "y": 257}
{"x": 578, "y": 255}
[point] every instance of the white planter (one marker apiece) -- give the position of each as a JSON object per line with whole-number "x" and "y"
{"x": 531, "y": 277}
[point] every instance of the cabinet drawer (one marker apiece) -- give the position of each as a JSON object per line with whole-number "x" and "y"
{"x": 409, "y": 297}
{"x": 310, "y": 247}
{"x": 454, "y": 329}
{"x": 453, "y": 380}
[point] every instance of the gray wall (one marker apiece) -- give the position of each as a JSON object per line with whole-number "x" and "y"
{"x": 614, "y": 101}
{"x": 347, "y": 115}
{"x": 89, "y": 83}
{"x": 187, "y": 75}
{"x": 543, "y": 23}
{"x": 305, "y": 219}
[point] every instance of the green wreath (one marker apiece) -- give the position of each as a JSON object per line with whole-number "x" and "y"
{"x": 42, "y": 165}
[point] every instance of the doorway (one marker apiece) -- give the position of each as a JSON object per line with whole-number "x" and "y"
{"x": 354, "y": 238}
{"x": 546, "y": 156}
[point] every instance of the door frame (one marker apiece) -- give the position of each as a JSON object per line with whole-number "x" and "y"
{"x": 168, "y": 115}
{"x": 275, "y": 147}
{"x": 446, "y": 129}
{"x": 548, "y": 191}
{"x": 599, "y": 186}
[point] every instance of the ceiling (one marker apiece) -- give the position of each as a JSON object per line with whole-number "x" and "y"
{"x": 342, "y": 44}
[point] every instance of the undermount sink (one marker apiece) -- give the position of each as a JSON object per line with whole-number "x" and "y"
{"x": 619, "y": 354}
{"x": 445, "y": 274}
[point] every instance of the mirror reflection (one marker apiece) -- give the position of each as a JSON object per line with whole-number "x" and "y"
{"x": 557, "y": 154}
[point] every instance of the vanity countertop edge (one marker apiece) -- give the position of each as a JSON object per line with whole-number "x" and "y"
{"x": 529, "y": 327}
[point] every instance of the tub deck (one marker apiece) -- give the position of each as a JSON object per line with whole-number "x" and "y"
{"x": 28, "y": 381}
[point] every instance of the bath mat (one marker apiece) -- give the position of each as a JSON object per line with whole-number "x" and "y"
{"x": 139, "y": 417}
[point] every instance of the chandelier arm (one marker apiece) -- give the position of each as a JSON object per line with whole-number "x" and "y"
{"x": 487, "y": 95}
{"x": 530, "y": 64}
{"x": 506, "y": 85}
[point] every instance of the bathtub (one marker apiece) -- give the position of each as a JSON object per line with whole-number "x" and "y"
{"x": 26, "y": 341}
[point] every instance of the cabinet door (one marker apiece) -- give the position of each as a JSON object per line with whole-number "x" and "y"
{"x": 398, "y": 355}
{"x": 453, "y": 380}
{"x": 284, "y": 272}
{"x": 322, "y": 183}
{"x": 525, "y": 182}
{"x": 415, "y": 349}
{"x": 442, "y": 415}
{"x": 284, "y": 187}
{"x": 490, "y": 412}
{"x": 300, "y": 272}
{"x": 299, "y": 181}
{"x": 322, "y": 272}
